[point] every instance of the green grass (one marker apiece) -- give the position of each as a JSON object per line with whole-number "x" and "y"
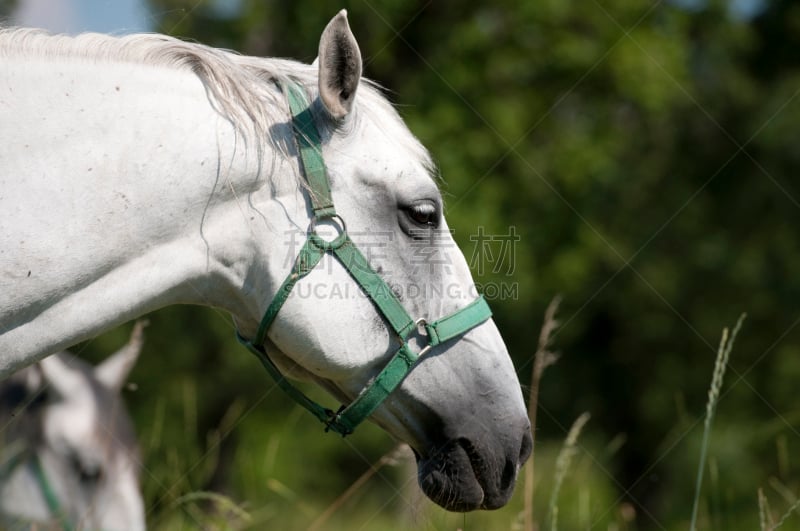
{"x": 274, "y": 478}
{"x": 723, "y": 355}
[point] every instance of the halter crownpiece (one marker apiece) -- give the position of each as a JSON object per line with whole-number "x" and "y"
{"x": 346, "y": 418}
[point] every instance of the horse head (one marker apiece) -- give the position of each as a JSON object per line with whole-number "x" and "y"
{"x": 78, "y": 463}
{"x": 460, "y": 406}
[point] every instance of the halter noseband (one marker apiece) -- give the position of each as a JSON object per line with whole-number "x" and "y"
{"x": 345, "y": 420}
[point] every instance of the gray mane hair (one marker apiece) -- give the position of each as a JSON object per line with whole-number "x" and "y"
{"x": 241, "y": 88}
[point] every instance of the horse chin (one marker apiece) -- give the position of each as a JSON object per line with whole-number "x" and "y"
{"x": 459, "y": 479}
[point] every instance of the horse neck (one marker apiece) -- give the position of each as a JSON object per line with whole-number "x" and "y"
{"x": 124, "y": 191}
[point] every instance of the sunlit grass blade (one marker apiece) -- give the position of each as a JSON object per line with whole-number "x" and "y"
{"x": 563, "y": 461}
{"x": 721, "y": 363}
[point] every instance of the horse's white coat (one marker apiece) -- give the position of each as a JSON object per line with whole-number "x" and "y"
{"x": 144, "y": 172}
{"x": 96, "y": 233}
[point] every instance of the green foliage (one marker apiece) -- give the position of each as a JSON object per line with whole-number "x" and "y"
{"x": 644, "y": 153}
{"x": 6, "y": 8}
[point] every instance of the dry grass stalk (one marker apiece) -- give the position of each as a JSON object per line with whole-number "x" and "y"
{"x": 392, "y": 457}
{"x": 541, "y": 360}
{"x": 795, "y": 506}
{"x": 764, "y": 514}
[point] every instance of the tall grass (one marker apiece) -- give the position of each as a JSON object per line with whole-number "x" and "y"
{"x": 721, "y": 363}
{"x": 764, "y": 514}
{"x": 789, "y": 512}
{"x": 578, "y": 489}
{"x": 391, "y": 458}
{"x": 562, "y": 466}
{"x": 542, "y": 359}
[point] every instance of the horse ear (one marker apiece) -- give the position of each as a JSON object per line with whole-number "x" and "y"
{"x": 57, "y": 373}
{"x": 113, "y": 372}
{"x": 339, "y": 66}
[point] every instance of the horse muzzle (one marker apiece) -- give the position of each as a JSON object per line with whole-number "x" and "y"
{"x": 469, "y": 474}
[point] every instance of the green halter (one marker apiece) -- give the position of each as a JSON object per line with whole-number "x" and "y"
{"x": 49, "y": 495}
{"x": 345, "y": 420}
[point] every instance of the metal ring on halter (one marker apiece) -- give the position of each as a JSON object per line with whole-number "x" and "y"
{"x": 321, "y": 242}
{"x": 420, "y": 324}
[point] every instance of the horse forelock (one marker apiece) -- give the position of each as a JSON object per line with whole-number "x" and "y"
{"x": 243, "y": 89}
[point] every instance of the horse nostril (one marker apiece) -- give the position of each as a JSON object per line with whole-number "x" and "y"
{"x": 526, "y": 447}
{"x": 509, "y": 476}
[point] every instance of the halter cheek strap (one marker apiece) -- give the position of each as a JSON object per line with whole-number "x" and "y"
{"x": 48, "y": 493}
{"x": 345, "y": 420}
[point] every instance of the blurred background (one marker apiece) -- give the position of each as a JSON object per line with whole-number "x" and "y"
{"x": 636, "y": 157}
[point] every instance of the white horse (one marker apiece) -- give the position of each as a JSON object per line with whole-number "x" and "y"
{"x": 141, "y": 171}
{"x": 68, "y": 452}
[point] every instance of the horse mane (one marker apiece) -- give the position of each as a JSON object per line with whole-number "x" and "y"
{"x": 241, "y": 88}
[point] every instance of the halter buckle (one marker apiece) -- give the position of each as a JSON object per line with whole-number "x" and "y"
{"x": 423, "y": 332}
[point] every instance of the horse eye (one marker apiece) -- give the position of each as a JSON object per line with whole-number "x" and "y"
{"x": 423, "y": 213}
{"x": 88, "y": 473}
